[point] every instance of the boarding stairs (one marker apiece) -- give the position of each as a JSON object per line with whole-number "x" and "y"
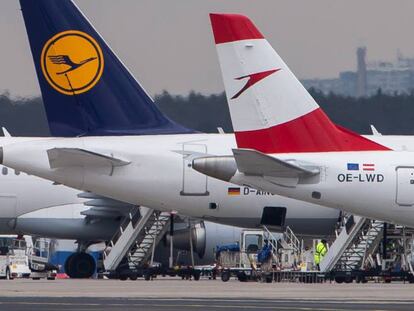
{"x": 288, "y": 246}
{"x": 401, "y": 238}
{"x": 271, "y": 240}
{"x": 358, "y": 238}
{"x": 290, "y": 242}
{"x": 136, "y": 238}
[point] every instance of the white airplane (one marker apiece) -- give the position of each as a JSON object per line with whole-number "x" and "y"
{"x": 113, "y": 157}
{"x": 35, "y": 206}
{"x": 152, "y": 170}
{"x": 21, "y": 194}
{"x": 38, "y": 207}
{"x": 288, "y": 146}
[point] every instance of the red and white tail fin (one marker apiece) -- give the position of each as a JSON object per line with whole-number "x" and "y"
{"x": 271, "y": 111}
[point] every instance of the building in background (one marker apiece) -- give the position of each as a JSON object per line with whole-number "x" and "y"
{"x": 389, "y": 77}
{"x": 361, "y": 74}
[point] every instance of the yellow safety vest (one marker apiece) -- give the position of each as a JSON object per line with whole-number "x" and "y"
{"x": 320, "y": 252}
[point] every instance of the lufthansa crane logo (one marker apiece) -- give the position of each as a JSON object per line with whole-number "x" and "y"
{"x": 72, "y": 62}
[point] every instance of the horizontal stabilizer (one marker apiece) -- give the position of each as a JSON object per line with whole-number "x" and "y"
{"x": 70, "y": 157}
{"x": 252, "y": 162}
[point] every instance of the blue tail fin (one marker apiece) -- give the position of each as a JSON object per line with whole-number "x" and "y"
{"x": 85, "y": 87}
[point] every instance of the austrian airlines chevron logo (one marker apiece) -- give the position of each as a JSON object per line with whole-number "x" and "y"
{"x": 253, "y": 79}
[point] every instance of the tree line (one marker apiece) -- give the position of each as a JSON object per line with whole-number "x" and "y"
{"x": 390, "y": 114}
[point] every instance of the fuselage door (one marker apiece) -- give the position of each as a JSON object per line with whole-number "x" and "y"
{"x": 194, "y": 183}
{"x": 405, "y": 186}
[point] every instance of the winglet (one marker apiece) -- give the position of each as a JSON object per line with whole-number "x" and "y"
{"x": 220, "y": 130}
{"x": 375, "y": 131}
{"x": 5, "y": 132}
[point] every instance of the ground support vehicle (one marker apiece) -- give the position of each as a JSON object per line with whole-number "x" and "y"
{"x": 360, "y": 276}
{"x": 299, "y": 276}
{"x": 39, "y": 260}
{"x": 14, "y": 262}
{"x": 243, "y": 259}
{"x": 149, "y": 273}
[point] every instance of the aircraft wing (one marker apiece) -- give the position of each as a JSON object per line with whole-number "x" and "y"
{"x": 253, "y": 162}
{"x": 69, "y": 157}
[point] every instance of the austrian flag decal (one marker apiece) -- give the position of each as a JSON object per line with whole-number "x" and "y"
{"x": 368, "y": 167}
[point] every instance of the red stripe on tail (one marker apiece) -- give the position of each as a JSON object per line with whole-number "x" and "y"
{"x": 233, "y": 27}
{"x": 313, "y": 132}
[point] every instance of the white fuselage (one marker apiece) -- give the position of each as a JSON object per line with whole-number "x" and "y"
{"x": 160, "y": 176}
{"x": 374, "y": 184}
{"x": 21, "y": 193}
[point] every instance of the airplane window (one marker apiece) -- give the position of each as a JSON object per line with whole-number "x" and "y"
{"x": 4, "y": 171}
{"x": 16, "y": 172}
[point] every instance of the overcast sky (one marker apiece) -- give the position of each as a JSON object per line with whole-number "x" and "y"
{"x": 167, "y": 44}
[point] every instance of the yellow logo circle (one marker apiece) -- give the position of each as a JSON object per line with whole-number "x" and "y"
{"x": 72, "y": 62}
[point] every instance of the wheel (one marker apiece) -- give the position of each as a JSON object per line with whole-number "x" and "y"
{"x": 225, "y": 276}
{"x": 36, "y": 279}
{"x": 123, "y": 277}
{"x": 196, "y": 275}
{"x": 348, "y": 279}
{"x": 51, "y": 278}
{"x": 80, "y": 266}
{"x": 147, "y": 276}
{"x": 268, "y": 278}
{"x": 278, "y": 278}
{"x": 339, "y": 279}
{"x": 8, "y": 274}
{"x": 133, "y": 277}
{"x": 361, "y": 279}
{"x": 242, "y": 277}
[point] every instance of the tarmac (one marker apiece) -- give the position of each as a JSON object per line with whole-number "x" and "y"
{"x": 177, "y": 294}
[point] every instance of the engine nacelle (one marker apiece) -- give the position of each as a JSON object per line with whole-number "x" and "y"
{"x": 182, "y": 238}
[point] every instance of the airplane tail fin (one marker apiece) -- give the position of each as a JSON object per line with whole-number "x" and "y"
{"x": 271, "y": 111}
{"x": 86, "y": 89}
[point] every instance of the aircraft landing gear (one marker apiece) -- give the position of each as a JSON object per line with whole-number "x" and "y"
{"x": 80, "y": 266}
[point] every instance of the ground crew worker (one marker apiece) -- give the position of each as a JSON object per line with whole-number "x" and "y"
{"x": 320, "y": 252}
